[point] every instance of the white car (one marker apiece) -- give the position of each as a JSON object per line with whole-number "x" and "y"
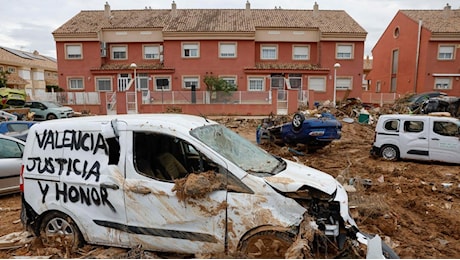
{"x": 11, "y": 150}
{"x": 417, "y": 137}
{"x": 179, "y": 183}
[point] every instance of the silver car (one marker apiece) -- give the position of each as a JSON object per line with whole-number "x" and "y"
{"x": 11, "y": 150}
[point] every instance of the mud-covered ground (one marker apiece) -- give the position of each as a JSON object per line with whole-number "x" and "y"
{"x": 409, "y": 204}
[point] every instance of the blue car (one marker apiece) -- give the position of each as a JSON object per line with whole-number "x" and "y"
{"x": 313, "y": 132}
{"x": 15, "y": 126}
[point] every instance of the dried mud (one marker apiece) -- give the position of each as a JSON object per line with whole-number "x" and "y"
{"x": 406, "y": 202}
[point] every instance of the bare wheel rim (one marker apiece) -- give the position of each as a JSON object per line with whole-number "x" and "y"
{"x": 297, "y": 120}
{"x": 389, "y": 153}
{"x": 59, "y": 230}
{"x": 268, "y": 245}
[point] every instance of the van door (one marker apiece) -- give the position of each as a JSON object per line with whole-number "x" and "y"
{"x": 159, "y": 217}
{"x": 414, "y": 139}
{"x": 444, "y": 141}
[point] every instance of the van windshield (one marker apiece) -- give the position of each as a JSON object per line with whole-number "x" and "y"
{"x": 238, "y": 150}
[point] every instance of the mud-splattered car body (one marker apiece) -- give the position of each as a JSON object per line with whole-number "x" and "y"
{"x": 109, "y": 180}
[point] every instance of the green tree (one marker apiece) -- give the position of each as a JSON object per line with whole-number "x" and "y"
{"x": 3, "y": 78}
{"x": 220, "y": 89}
{"x": 217, "y": 84}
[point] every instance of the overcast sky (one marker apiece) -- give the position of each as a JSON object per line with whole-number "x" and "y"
{"x": 27, "y": 24}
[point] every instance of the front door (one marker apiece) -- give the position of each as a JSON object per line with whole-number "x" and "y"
{"x": 161, "y": 216}
{"x": 414, "y": 139}
{"x": 444, "y": 141}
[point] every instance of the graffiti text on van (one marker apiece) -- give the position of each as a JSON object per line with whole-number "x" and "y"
{"x": 75, "y": 140}
{"x": 77, "y": 194}
{"x": 64, "y": 165}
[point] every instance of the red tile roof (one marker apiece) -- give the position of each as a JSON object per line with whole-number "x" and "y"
{"x": 212, "y": 20}
{"x": 437, "y": 21}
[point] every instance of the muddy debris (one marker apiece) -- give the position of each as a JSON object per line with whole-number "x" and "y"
{"x": 196, "y": 186}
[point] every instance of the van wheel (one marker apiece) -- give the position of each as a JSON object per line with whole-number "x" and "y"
{"x": 51, "y": 117}
{"x": 297, "y": 121}
{"x": 390, "y": 152}
{"x": 58, "y": 230}
{"x": 266, "y": 244}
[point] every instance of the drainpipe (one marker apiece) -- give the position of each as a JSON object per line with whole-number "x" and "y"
{"x": 418, "y": 54}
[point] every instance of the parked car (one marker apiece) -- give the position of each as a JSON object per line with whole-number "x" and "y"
{"x": 313, "y": 132}
{"x": 11, "y": 150}
{"x": 47, "y": 110}
{"x": 10, "y": 97}
{"x": 179, "y": 183}
{"x": 416, "y": 101}
{"x": 442, "y": 104}
{"x": 417, "y": 137}
{"x": 15, "y": 126}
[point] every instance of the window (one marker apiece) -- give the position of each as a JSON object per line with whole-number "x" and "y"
{"x": 413, "y": 126}
{"x": 10, "y": 149}
{"x": 1, "y": 68}
{"x": 229, "y": 80}
{"x": 317, "y": 83}
{"x": 75, "y": 83}
{"x": 268, "y": 53}
{"x": 446, "y": 52}
{"x": 190, "y": 50}
{"x": 446, "y": 128}
{"x": 162, "y": 83}
{"x": 256, "y": 84}
{"x": 277, "y": 81}
{"x": 73, "y": 51}
{"x": 391, "y": 125}
{"x": 344, "y": 83}
{"x": 119, "y": 53}
{"x": 344, "y": 51}
{"x": 151, "y": 52}
{"x": 378, "y": 86}
{"x": 301, "y": 53}
{"x": 442, "y": 83}
{"x": 103, "y": 84}
{"x": 188, "y": 82}
{"x": 173, "y": 158}
{"x": 142, "y": 81}
{"x": 11, "y": 69}
{"x": 227, "y": 50}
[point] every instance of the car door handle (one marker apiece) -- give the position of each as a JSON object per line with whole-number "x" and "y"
{"x": 110, "y": 186}
{"x": 423, "y": 138}
{"x": 435, "y": 139}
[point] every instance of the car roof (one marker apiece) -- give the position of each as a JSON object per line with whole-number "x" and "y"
{"x": 179, "y": 122}
{"x": 412, "y": 116}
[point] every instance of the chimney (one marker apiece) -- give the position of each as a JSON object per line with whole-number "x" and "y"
{"x": 107, "y": 11}
{"x": 247, "y": 12}
{"x": 315, "y": 7}
{"x": 173, "y": 8}
{"x": 447, "y": 7}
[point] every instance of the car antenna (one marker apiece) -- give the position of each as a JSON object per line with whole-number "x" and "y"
{"x": 199, "y": 112}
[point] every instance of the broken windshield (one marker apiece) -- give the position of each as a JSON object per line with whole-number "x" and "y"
{"x": 237, "y": 149}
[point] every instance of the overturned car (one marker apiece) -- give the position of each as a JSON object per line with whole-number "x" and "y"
{"x": 313, "y": 132}
{"x": 183, "y": 184}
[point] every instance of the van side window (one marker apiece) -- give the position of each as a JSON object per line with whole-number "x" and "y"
{"x": 413, "y": 126}
{"x": 446, "y": 128}
{"x": 392, "y": 125}
{"x": 167, "y": 158}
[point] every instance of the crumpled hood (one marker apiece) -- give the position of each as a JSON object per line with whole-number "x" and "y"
{"x": 296, "y": 175}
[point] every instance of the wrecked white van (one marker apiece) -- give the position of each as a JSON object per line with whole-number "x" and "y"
{"x": 180, "y": 183}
